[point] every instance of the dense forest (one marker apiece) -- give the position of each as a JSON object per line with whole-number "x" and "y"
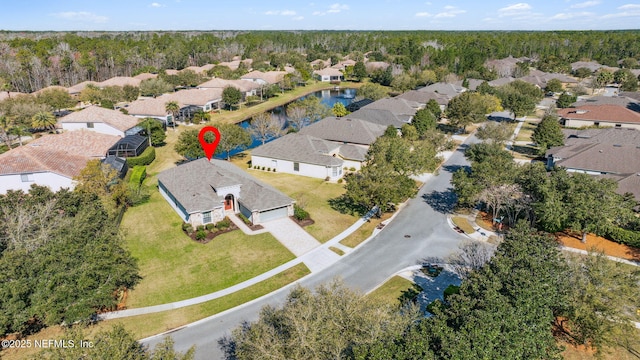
{"x": 30, "y": 61}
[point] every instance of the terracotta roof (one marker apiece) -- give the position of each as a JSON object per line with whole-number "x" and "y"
{"x": 271, "y": 77}
{"x": 345, "y": 130}
{"x": 120, "y": 81}
{"x": 148, "y": 107}
{"x": 602, "y": 113}
{"x": 193, "y": 184}
{"x": 11, "y": 94}
{"x": 65, "y": 154}
{"x": 242, "y": 85}
{"x": 328, "y": 72}
{"x": 145, "y": 76}
{"x": 98, "y": 114}
{"x": 81, "y": 86}
{"x": 300, "y": 148}
{"x": 198, "y": 97}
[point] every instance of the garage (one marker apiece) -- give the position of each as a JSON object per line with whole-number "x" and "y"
{"x": 273, "y": 214}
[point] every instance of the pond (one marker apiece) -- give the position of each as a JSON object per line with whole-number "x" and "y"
{"x": 328, "y": 97}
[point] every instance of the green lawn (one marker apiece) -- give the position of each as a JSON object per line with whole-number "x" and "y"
{"x": 527, "y": 130}
{"x": 463, "y": 224}
{"x": 310, "y": 193}
{"x": 174, "y": 267}
{"x": 391, "y": 291}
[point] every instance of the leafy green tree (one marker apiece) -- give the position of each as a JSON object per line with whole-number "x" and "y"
{"x": 485, "y": 88}
{"x": 582, "y": 73}
{"x": 383, "y": 77}
{"x": 43, "y": 120}
{"x": 409, "y": 132}
{"x": 424, "y": 120}
{"x": 359, "y": 71}
{"x": 232, "y": 137}
{"x": 231, "y": 96}
{"x": 565, "y": 100}
{"x": 494, "y": 132}
{"x": 434, "y": 107}
{"x": 391, "y": 132}
{"x": 372, "y": 91}
{"x": 155, "y": 87}
{"x": 314, "y": 109}
{"x": 469, "y": 107}
{"x": 403, "y": 82}
{"x": 548, "y": 134}
{"x": 554, "y": 85}
{"x": 264, "y": 126}
{"x": 339, "y": 110}
{"x": 155, "y": 131}
{"x": 630, "y": 84}
{"x": 603, "y": 77}
{"x": 130, "y": 93}
{"x": 188, "y": 144}
{"x": 519, "y": 104}
{"x": 622, "y": 75}
{"x": 327, "y": 323}
{"x": 56, "y": 99}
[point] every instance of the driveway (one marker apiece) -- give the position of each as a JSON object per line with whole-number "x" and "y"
{"x": 291, "y": 235}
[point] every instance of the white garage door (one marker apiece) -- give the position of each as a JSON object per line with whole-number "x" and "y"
{"x": 273, "y": 214}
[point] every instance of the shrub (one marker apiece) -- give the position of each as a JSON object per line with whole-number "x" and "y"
{"x": 623, "y": 236}
{"x": 186, "y": 227}
{"x": 244, "y": 219}
{"x": 327, "y": 178}
{"x": 274, "y": 169}
{"x": 201, "y": 235}
{"x": 146, "y": 158}
{"x": 223, "y": 224}
{"x": 263, "y": 168}
{"x": 249, "y": 166}
{"x": 138, "y": 174}
{"x": 138, "y": 194}
{"x": 340, "y": 181}
{"x": 200, "y": 228}
{"x": 210, "y": 226}
{"x": 352, "y": 169}
{"x": 450, "y": 290}
{"x": 269, "y": 169}
{"x": 300, "y": 213}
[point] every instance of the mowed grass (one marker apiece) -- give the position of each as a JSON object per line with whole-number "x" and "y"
{"x": 463, "y": 224}
{"x": 362, "y": 233}
{"x": 310, "y": 193}
{"x": 526, "y": 130}
{"x": 391, "y": 291}
{"x": 147, "y": 325}
{"x": 174, "y": 267}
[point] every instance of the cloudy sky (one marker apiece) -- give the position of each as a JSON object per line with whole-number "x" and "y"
{"x": 316, "y": 15}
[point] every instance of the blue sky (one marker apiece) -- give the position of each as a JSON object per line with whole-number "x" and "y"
{"x": 316, "y": 15}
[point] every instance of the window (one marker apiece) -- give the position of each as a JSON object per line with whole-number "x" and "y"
{"x": 296, "y": 166}
{"x": 206, "y": 217}
{"x": 26, "y": 177}
{"x": 334, "y": 173}
{"x": 90, "y": 125}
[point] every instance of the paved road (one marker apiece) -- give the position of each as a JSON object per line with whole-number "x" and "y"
{"x": 423, "y": 220}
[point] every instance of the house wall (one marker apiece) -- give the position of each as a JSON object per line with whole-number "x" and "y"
{"x": 352, "y": 164}
{"x": 255, "y": 216}
{"x": 196, "y": 219}
{"x": 286, "y": 166}
{"x": 54, "y": 181}
{"x": 97, "y": 127}
{"x": 175, "y": 205}
{"x": 582, "y": 123}
{"x": 163, "y": 118}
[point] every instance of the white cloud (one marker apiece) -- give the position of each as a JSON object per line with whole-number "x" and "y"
{"x": 629, "y": 7}
{"x": 628, "y": 10}
{"x": 567, "y": 16}
{"x": 336, "y": 8}
{"x": 156, "y": 5}
{"x": 82, "y": 16}
{"x": 281, "y": 12}
{"x": 298, "y": 18}
{"x": 515, "y": 9}
{"x": 585, "y": 4}
{"x": 423, "y": 14}
{"x": 451, "y": 11}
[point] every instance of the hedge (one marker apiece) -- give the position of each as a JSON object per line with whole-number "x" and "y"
{"x": 138, "y": 174}
{"x": 623, "y": 236}
{"x": 146, "y": 158}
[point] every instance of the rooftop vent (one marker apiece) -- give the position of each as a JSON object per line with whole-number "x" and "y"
{"x": 580, "y": 112}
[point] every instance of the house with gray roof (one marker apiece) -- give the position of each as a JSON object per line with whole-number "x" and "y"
{"x": 385, "y": 118}
{"x": 448, "y": 90}
{"x": 204, "y": 192}
{"x": 345, "y": 129}
{"x": 307, "y": 155}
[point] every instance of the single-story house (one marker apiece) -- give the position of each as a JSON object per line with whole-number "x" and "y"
{"x": 145, "y": 76}
{"x": 342, "y": 65}
{"x": 345, "y": 130}
{"x": 423, "y": 97}
{"x": 248, "y": 88}
{"x": 600, "y": 115}
{"x": 301, "y": 154}
{"x": 190, "y": 101}
{"x": 52, "y": 160}
{"x": 99, "y": 119}
{"x": 448, "y": 90}
{"x": 264, "y": 78}
{"x": 150, "y": 108}
{"x": 76, "y": 89}
{"x": 505, "y": 66}
{"x": 120, "y": 81}
{"x": 204, "y": 192}
{"x": 380, "y": 117}
{"x": 328, "y": 75}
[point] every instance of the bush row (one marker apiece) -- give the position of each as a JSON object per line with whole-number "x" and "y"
{"x": 623, "y": 236}
{"x": 146, "y": 158}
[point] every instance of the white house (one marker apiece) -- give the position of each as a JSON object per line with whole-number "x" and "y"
{"x": 328, "y": 75}
{"x": 52, "y": 160}
{"x": 204, "y": 192}
{"x": 101, "y": 120}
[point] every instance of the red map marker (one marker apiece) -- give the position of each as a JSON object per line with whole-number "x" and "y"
{"x": 209, "y": 148}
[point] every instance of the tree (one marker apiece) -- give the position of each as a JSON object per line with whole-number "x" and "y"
{"x": 101, "y": 180}
{"x": 231, "y": 96}
{"x": 327, "y": 323}
{"x": 622, "y": 75}
{"x": 188, "y": 144}
{"x": 390, "y": 132}
{"x": 155, "y": 87}
{"x": 554, "y": 85}
{"x": 603, "y": 77}
{"x": 4, "y": 131}
{"x": 494, "y": 132}
{"x": 469, "y": 107}
{"x": 403, "y": 82}
{"x": 434, "y": 107}
{"x": 339, "y": 110}
{"x": 43, "y": 120}
{"x": 424, "y": 120}
{"x": 173, "y": 108}
{"x": 359, "y": 71}
{"x": 154, "y": 130}
{"x": 519, "y": 104}
{"x": 232, "y": 137}
{"x": 485, "y": 88}
{"x": 296, "y": 116}
{"x": 473, "y": 255}
{"x": 565, "y": 100}
{"x": 582, "y": 72}
{"x": 372, "y": 91}
{"x": 314, "y": 108}
{"x": 383, "y": 77}
{"x": 265, "y": 126}
{"x": 130, "y": 93}
{"x": 56, "y": 99}
{"x": 548, "y": 134}
{"x": 409, "y": 132}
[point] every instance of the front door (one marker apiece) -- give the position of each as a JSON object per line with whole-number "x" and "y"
{"x": 228, "y": 202}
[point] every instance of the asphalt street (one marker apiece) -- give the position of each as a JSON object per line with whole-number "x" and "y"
{"x": 419, "y": 231}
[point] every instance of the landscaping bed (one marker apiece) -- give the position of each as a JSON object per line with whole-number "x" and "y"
{"x": 203, "y": 234}
{"x": 303, "y": 222}
{"x": 597, "y": 243}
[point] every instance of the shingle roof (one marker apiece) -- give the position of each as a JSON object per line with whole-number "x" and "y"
{"x": 148, "y": 107}
{"x": 423, "y": 97}
{"x": 98, "y": 114}
{"x": 353, "y": 152}
{"x": 65, "y": 154}
{"x": 242, "y": 85}
{"x": 145, "y": 76}
{"x": 300, "y": 148}
{"x": 623, "y": 101}
{"x": 345, "y": 129}
{"x": 271, "y": 77}
{"x": 608, "y": 158}
{"x": 619, "y": 136}
{"x": 81, "y": 86}
{"x": 603, "y": 113}
{"x": 193, "y": 184}
{"x": 402, "y": 108}
{"x": 380, "y": 117}
{"x": 449, "y": 90}
{"x": 328, "y": 72}
{"x": 120, "y": 81}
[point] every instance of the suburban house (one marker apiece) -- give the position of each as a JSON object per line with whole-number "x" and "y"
{"x": 99, "y": 119}
{"x": 248, "y": 88}
{"x": 612, "y": 153}
{"x": 423, "y": 97}
{"x": 346, "y": 130}
{"x": 328, "y": 75}
{"x": 505, "y": 66}
{"x": 342, "y": 65}
{"x": 605, "y": 115}
{"x": 305, "y": 155}
{"x": 381, "y": 117}
{"x": 264, "y": 78}
{"x": 472, "y": 84}
{"x": 52, "y": 160}
{"x": 320, "y": 64}
{"x": 541, "y": 78}
{"x": 447, "y": 90}
{"x": 120, "y": 81}
{"x": 145, "y": 76}
{"x": 620, "y": 100}
{"x": 403, "y": 109}
{"x": 190, "y": 101}
{"x": 204, "y": 192}
{"x": 76, "y": 89}
{"x": 152, "y": 108}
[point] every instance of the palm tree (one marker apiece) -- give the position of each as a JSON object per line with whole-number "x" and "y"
{"x": 43, "y": 120}
{"x": 173, "y": 108}
{"x": 19, "y": 131}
